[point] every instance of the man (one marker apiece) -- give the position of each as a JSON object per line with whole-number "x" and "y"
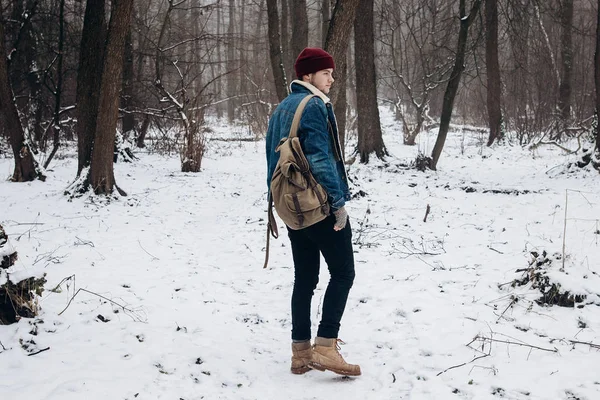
{"x": 331, "y": 237}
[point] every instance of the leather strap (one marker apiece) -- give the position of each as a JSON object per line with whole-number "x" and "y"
{"x": 298, "y": 116}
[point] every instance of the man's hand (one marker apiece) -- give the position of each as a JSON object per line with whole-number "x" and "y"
{"x": 341, "y": 217}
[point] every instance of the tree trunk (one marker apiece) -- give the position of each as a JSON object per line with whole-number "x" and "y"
{"x": 597, "y": 78}
{"x": 288, "y": 57}
{"x": 370, "y": 139}
{"x": 128, "y": 122}
{"x": 88, "y": 81}
{"x": 494, "y": 88}
{"x": 336, "y": 44}
{"x": 325, "y": 17}
{"x": 219, "y": 83}
{"x": 566, "y": 51}
{"x": 299, "y": 13}
{"x": 452, "y": 87}
{"x": 275, "y": 50}
{"x": 241, "y": 45}
{"x": 59, "y": 84}
{"x": 231, "y": 84}
{"x": 338, "y": 37}
{"x": 143, "y": 131}
{"x": 26, "y": 167}
{"x": 101, "y": 171}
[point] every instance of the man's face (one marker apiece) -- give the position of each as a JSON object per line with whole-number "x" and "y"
{"x": 322, "y": 79}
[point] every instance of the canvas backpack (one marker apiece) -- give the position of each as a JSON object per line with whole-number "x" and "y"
{"x": 300, "y": 201}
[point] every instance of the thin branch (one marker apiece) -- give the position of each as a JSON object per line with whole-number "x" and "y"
{"x": 153, "y": 257}
{"x": 483, "y": 338}
{"x": 463, "y": 364}
{"x": 38, "y": 352}
{"x": 593, "y": 345}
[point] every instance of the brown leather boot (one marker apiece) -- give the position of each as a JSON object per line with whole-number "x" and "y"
{"x": 301, "y": 355}
{"x": 326, "y": 356}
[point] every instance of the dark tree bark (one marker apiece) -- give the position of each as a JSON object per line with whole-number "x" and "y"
{"x": 26, "y": 167}
{"x": 370, "y": 138}
{"x": 128, "y": 122}
{"x": 143, "y": 131}
{"x": 299, "y": 14}
{"x": 231, "y": 84}
{"x": 288, "y": 57}
{"x": 338, "y": 37}
{"x": 88, "y": 81}
{"x": 325, "y": 17}
{"x": 242, "y": 44}
{"x": 494, "y": 88}
{"x": 58, "y": 92}
{"x": 452, "y": 87}
{"x": 101, "y": 171}
{"x": 336, "y": 44}
{"x": 566, "y": 51}
{"x": 275, "y": 52}
{"x": 597, "y": 78}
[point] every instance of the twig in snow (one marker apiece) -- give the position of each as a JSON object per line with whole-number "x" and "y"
{"x": 393, "y": 376}
{"x": 153, "y": 257}
{"x": 497, "y": 251}
{"x": 512, "y": 302}
{"x": 463, "y": 364}
{"x": 593, "y": 345}
{"x": 484, "y": 339}
{"x": 38, "y": 352}
{"x": 56, "y": 288}
{"x": 427, "y": 210}
{"x": 3, "y": 348}
{"x": 127, "y": 310}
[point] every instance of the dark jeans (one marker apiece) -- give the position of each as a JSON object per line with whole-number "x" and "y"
{"x": 336, "y": 248}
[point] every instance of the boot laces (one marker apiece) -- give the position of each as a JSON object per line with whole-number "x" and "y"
{"x": 339, "y": 342}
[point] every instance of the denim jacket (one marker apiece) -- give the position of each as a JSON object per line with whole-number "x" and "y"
{"x": 318, "y": 137}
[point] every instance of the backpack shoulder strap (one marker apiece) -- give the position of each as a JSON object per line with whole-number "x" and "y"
{"x": 298, "y": 115}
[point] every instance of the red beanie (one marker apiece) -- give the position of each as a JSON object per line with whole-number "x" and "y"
{"x": 312, "y": 59}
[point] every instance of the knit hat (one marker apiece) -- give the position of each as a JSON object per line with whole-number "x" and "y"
{"x": 312, "y": 59}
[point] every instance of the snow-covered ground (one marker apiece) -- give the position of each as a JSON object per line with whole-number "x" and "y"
{"x": 175, "y": 303}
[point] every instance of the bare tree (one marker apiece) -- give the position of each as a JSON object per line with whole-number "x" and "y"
{"x": 26, "y": 166}
{"x": 597, "y": 78}
{"x": 336, "y": 44}
{"x": 275, "y": 51}
{"x": 102, "y": 176}
{"x": 465, "y": 22}
{"x": 288, "y": 57}
{"x": 299, "y": 14}
{"x": 231, "y": 63}
{"x": 566, "y": 51}
{"x": 88, "y": 84}
{"x": 128, "y": 123}
{"x": 370, "y": 138}
{"x": 338, "y": 37}
{"x": 58, "y": 90}
{"x": 494, "y": 87}
{"x": 414, "y": 37}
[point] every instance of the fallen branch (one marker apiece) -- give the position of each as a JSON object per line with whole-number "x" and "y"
{"x": 427, "y": 210}
{"x": 512, "y": 302}
{"x": 38, "y": 352}
{"x": 463, "y": 364}
{"x": 593, "y": 345}
{"x": 153, "y": 257}
{"x": 483, "y": 338}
